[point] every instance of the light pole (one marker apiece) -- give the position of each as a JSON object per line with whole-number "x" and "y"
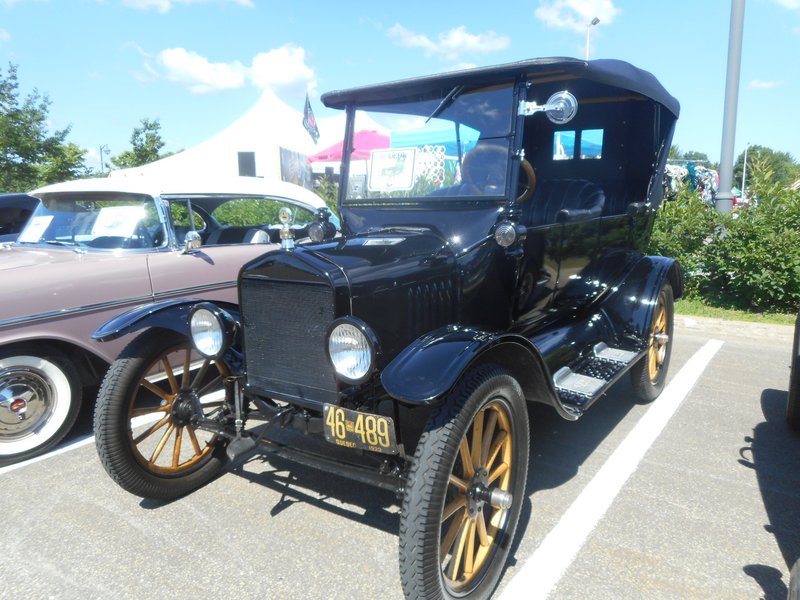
{"x": 103, "y": 148}
{"x": 589, "y": 26}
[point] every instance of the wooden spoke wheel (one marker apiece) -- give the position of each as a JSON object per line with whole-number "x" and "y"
{"x": 465, "y": 490}
{"x": 146, "y": 413}
{"x": 649, "y": 375}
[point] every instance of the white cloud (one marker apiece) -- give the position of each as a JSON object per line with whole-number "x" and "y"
{"x": 790, "y": 4}
{"x": 576, "y": 14}
{"x": 451, "y": 44}
{"x": 4, "y": 36}
{"x": 198, "y": 73}
{"x": 164, "y": 6}
{"x": 760, "y": 84}
{"x": 281, "y": 69}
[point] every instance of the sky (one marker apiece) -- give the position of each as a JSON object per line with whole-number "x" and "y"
{"x": 198, "y": 65}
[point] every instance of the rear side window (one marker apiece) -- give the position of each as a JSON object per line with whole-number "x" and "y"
{"x": 582, "y": 144}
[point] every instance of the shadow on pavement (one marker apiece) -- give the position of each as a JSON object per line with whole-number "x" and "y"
{"x": 773, "y": 452}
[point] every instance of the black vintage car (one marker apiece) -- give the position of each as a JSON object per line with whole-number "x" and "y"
{"x": 492, "y": 255}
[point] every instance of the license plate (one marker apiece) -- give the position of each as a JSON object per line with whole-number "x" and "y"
{"x": 359, "y": 430}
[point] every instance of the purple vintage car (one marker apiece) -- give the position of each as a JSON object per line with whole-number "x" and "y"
{"x": 94, "y": 248}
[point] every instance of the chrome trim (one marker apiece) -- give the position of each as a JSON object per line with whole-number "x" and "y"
{"x": 150, "y": 298}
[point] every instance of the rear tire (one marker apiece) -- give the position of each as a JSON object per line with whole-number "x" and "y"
{"x": 649, "y": 375}
{"x": 143, "y": 433}
{"x": 454, "y": 540}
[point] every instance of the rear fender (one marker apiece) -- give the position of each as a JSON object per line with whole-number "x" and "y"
{"x": 429, "y": 368}
{"x": 630, "y": 307}
{"x": 170, "y": 314}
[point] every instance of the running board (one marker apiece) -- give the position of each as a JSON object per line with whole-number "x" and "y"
{"x": 580, "y": 384}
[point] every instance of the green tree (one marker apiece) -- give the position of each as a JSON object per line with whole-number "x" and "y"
{"x": 29, "y": 155}
{"x": 146, "y": 143}
{"x": 785, "y": 169}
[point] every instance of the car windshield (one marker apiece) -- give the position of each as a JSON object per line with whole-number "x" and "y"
{"x": 454, "y": 143}
{"x": 94, "y": 220}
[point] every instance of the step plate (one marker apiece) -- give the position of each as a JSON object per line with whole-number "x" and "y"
{"x": 579, "y": 384}
{"x": 616, "y": 355}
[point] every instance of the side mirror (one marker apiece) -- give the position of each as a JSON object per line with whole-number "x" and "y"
{"x": 560, "y": 108}
{"x": 192, "y": 241}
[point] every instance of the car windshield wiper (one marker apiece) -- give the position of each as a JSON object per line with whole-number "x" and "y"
{"x": 446, "y": 101}
{"x": 59, "y": 243}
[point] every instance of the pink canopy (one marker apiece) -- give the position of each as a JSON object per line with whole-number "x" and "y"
{"x": 364, "y": 142}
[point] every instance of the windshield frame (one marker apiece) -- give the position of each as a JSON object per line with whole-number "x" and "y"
{"x": 492, "y": 108}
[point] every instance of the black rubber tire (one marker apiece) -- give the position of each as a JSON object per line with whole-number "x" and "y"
{"x": 437, "y": 457}
{"x": 793, "y": 402}
{"x": 649, "y": 375}
{"x": 60, "y": 393}
{"x": 120, "y": 454}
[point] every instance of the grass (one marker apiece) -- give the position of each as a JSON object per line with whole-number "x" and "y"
{"x": 695, "y": 308}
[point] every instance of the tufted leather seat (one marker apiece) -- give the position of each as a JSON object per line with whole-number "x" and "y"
{"x": 562, "y": 201}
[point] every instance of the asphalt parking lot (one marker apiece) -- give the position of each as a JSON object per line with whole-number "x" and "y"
{"x": 705, "y": 505}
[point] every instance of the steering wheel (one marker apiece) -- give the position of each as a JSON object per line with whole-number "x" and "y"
{"x": 530, "y": 183}
{"x": 484, "y": 171}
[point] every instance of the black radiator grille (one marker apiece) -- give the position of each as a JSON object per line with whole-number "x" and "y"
{"x": 285, "y": 327}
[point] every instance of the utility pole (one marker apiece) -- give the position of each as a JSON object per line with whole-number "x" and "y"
{"x": 103, "y": 148}
{"x": 724, "y": 199}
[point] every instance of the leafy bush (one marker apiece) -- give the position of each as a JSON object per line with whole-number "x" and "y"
{"x": 747, "y": 260}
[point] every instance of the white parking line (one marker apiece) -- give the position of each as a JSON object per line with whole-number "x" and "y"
{"x": 544, "y": 569}
{"x": 82, "y": 441}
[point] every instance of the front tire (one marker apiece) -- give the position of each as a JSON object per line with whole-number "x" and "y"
{"x": 465, "y": 489}
{"x": 143, "y": 431}
{"x": 40, "y": 398}
{"x": 649, "y": 375}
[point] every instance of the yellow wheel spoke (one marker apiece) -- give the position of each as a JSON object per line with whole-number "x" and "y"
{"x": 502, "y": 437}
{"x": 483, "y": 536}
{"x": 152, "y": 429}
{"x": 477, "y": 439}
{"x": 173, "y": 383}
{"x": 214, "y": 383}
{"x": 162, "y": 442}
{"x": 176, "y": 453}
{"x": 156, "y": 390}
{"x": 500, "y": 470}
{"x": 140, "y": 412}
{"x": 187, "y": 355}
{"x": 458, "y": 555}
{"x": 488, "y": 434}
{"x": 459, "y": 483}
{"x": 469, "y": 557}
{"x": 463, "y": 449}
{"x": 201, "y": 373}
{"x": 450, "y": 536}
{"x": 453, "y": 506}
{"x": 195, "y": 443}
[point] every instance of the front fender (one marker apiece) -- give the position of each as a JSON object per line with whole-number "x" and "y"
{"x": 169, "y": 314}
{"x": 431, "y": 365}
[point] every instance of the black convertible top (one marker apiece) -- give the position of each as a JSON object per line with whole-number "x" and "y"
{"x": 607, "y": 71}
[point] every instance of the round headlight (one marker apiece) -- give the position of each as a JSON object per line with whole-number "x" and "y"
{"x": 208, "y": 333}
{"x": 350, "y": 351}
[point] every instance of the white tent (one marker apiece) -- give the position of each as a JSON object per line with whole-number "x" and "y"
{"x": 267, "y": 141}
